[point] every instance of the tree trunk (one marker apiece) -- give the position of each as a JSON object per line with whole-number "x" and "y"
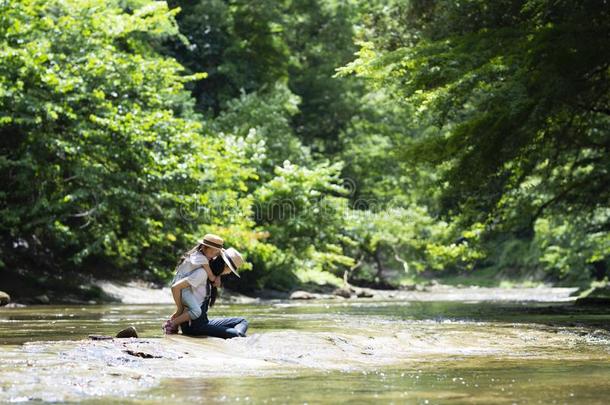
{"x": 402, "y": 261}
{"x": 348, "y": 273}
{"x": 379, "y": 264}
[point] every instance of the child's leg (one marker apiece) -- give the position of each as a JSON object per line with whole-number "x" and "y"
{"x": 191, "y": 308}
{"x": 183, "y": 317}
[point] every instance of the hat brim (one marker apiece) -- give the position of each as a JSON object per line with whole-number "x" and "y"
{"x": 209, "y": 244}
{"x": 228, "y": 263}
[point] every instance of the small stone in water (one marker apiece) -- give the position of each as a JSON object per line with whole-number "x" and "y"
{"x": 128, "y": 332}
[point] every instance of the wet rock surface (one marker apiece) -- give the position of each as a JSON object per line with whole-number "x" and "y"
{"x": 73, "y": 370}
{"x": 14, "y": 305}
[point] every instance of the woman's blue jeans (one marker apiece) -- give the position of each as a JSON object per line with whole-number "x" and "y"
{"x": 225, "y": 328}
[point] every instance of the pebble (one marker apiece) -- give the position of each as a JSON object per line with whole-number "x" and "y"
{"x": 128, "y": 332}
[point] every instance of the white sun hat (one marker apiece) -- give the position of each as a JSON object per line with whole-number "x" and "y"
{"x": 232, "y": 258}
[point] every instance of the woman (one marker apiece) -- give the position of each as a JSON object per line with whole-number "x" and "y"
{"x": 227, "y": 262}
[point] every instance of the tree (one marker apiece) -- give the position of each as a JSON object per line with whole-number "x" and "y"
{"x": 320, "y": 36}
{"x": 304, "y": 211}
{"x": 238, "y": 43}
{"x": 515, "y": 94}
{"x": 102, "y": 163}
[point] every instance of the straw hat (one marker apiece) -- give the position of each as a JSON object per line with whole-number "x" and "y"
{"x": 213, "y": 241}
{"x": 232, "y": 258}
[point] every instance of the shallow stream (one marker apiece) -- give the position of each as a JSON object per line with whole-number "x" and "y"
{"x": 358, "y": 351}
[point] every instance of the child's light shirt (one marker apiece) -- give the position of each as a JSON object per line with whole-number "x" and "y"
{"x": 198, "y": 278}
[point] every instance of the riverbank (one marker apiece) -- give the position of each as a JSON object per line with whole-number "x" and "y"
{"x": 25, "y": 288}
{"x": 143, "y": 293}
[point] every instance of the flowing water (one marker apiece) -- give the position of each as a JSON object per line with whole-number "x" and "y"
{"x": 357, "y": 351}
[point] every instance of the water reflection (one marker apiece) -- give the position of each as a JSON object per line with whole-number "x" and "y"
{"x": 478, "y": 380}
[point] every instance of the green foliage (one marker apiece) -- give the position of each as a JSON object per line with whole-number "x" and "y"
{"x": 411, "y": 240}
{"x": 239, "y": 43}
{"x": 98, "y": 162}
{"x": 320, "y": 37}
{"x": 304, "y": 212}
{"x": 250, "y": 46}
{"x": 567, "y": 250}
{"x": 397, "y": 223}
{"x": 514, "y": 98}
{"x": 464, "y": 133}
{"x": 262, "y": 120}
{"x": 106, "y": 162}
{"x": 507, "y": 85}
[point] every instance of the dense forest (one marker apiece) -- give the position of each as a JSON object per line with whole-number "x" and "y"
{"x": 375, "y": 139}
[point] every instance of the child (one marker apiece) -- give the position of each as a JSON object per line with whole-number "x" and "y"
{"x": 190, "y": 284}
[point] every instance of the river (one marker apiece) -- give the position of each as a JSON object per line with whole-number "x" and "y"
{"x": 325, "y": 351}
